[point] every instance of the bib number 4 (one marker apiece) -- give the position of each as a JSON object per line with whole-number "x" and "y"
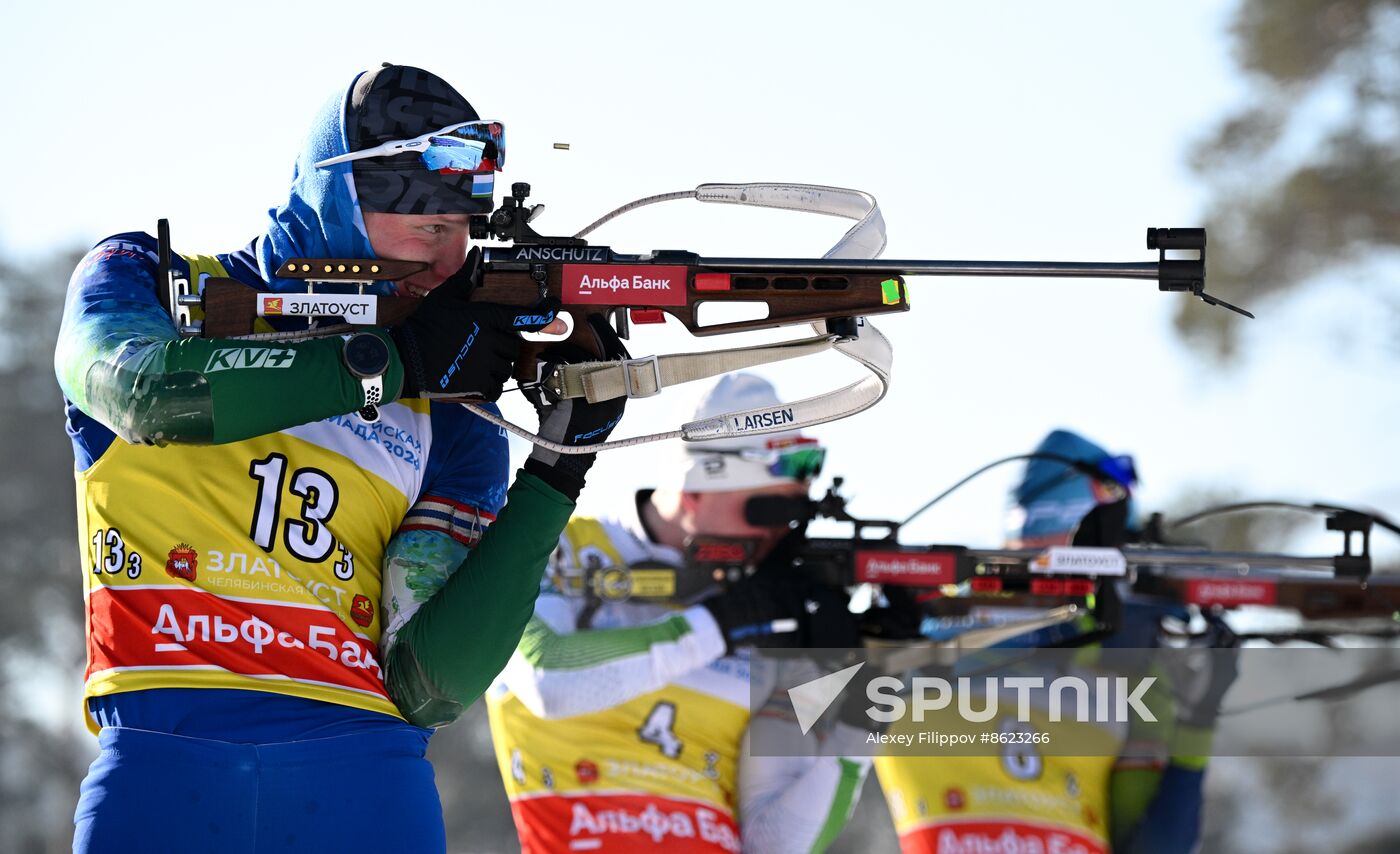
{"x": 659, "y": 729}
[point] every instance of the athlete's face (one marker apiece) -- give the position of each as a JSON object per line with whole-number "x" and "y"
{"x": 438, "y": 239}
{"x": 721, "y": 514}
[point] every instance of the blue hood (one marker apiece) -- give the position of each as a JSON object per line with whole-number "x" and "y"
{"x": 1052, "y": 498}
{"x": 321, "y": 217}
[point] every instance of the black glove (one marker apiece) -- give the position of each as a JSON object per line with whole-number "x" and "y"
{"x": 454, "y": 348}
{"x": 829, "y": 623}
{"x": 825, "y": 614}
{"x": 773, "y": 609}
{"x": 901, "y": 618}
{"x": 1200, "y": 675}
{"x": 573, "y": 421}
{"x": 759, "y": 610}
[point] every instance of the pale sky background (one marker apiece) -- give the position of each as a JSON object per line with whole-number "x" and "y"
{"x": 997, "y": 131}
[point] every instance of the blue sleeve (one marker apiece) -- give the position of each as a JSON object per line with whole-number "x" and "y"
{"x": 1171, "y": 824}
{"x": 111, "y": 312}
{"x": 468, "y": 462}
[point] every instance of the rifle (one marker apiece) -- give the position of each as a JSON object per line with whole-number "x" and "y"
{"x": 834, "y": 293}
{"x": 1082, "y": 580}
{"x": 1071, "y": 581}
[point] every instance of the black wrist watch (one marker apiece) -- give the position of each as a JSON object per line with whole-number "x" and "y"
{"x": 366, "y": 356}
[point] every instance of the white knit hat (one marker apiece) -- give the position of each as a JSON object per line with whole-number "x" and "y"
{"x": 738, "y": 462}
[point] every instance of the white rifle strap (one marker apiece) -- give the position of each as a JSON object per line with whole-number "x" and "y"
{"x": 597, "y": 381}
{"x": 871, "y": 349}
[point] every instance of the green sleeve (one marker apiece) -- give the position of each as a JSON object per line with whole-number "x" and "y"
{"x": 1191, "y": 746}
{"x": 843, "y": 803}
{"x": 1130, "y": 792}
{"x": 546, "y": 649}
{"x": 448, "y": 652}
{"x": 202, "y": 391}
{"x": 563, "y": 674}
{"x": 154, "y": 389}
{"x": 120, "y": 360}
{"x": 1134, "y": 782}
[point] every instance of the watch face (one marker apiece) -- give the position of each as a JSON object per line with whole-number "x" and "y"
{"x": 366, "y": 355}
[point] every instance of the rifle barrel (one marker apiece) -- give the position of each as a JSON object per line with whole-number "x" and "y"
{"x": 1308, "y": 566}
{"x": 1036, "y": 269}
{"x": 1249, "y": 560}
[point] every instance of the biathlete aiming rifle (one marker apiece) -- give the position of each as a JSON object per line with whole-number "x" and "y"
{"x": 834, "y": 293}
{"x": 1071, "y": 581}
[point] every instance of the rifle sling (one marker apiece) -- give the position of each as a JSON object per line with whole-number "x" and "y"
{"x": 609, "y": 380}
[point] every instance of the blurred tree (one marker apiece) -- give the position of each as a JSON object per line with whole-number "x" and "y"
{"x": 1306, "y": 177}
{"x": 1266, "y": 530}
{"x": 1384, "y": 842}
{"x": 43, "y": 749}
{"x": 1263, "y": 530}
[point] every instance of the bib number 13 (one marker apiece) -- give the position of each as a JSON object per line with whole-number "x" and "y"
{"x": 306, "y": 536}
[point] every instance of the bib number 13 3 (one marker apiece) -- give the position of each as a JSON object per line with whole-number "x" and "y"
{"x": 305, "y": 534}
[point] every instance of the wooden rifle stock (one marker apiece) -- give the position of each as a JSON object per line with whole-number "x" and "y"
{"x": 623, "y": 290}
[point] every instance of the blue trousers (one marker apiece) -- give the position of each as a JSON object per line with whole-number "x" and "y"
{"x": 150, "y": 791}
